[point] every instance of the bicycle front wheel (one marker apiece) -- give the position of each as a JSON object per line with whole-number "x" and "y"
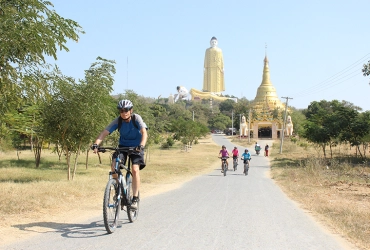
{"x": 111, "y": 206}
{"x": 132, "y": 214}
{"x": 225, "y": 169}
{"x": 246, "y": 168}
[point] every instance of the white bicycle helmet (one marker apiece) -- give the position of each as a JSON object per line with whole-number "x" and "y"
{"x": 125, "y": 104}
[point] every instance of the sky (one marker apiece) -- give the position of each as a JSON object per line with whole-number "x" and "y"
{"x": 316, "y": 49}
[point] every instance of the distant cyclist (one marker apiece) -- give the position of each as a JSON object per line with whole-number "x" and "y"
{"x": 235, "y": 153}
{"x": 246, "y": 157}
{"x": 257, "y": 147}
{"x": 224, "y": 153}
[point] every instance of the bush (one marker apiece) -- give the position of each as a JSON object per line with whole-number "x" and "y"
{"x": 169, "y": 143}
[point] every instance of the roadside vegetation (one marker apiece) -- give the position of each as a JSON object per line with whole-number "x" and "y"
{"x": 336, "y": 190}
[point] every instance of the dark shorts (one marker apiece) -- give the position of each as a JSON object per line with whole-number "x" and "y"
{"x": 137, "y": 158}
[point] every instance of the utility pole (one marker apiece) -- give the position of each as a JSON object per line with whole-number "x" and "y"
{"x": 249, "y": 126}
{"x": 282, "y": 132}
{"x": 232, "y": 123}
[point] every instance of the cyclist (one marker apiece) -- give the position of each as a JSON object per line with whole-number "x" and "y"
{"x": 224, "y": 153}
{"x": 130, "y": 136}
{"x": 257, "y": 147}
{"x": 235, "y": 153}
{"x": 246, "y": 157}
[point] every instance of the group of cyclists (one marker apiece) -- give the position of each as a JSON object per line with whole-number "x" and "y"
{"x": 246, "y": 156}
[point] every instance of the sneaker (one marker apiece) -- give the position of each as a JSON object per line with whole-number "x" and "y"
{"x": 134, "y": 203}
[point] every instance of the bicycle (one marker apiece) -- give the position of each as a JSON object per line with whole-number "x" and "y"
{"x": 246, "y": 166}
{"x": 118, "y": 192}
{"x": 235, "y": 162}
{"x": 224, "y": 165}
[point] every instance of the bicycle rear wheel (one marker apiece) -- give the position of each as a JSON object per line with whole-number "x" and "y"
{"x": 111, "y": 206}
{"x": 132, "y": 214}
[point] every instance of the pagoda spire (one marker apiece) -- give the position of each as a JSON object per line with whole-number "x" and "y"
{"x": 266, "y": 93}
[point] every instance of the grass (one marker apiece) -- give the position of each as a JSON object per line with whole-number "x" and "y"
{"x": 336, "y": 190}
{"x": 29, "y": 194}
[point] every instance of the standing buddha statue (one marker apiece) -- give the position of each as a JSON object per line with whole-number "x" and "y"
{"x": 213, "y": 69}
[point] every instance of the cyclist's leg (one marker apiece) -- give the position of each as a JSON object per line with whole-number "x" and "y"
{"x": 114, "y": 156}
{"x": 137, "y": 164}
{"x": 135, "y": 179}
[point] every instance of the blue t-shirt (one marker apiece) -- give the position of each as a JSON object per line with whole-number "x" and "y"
{"x": 246, "y": 156}
{"x": 130, "y": 136}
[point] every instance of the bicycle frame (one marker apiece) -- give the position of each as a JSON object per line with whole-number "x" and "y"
{"x": 118, "y": 193}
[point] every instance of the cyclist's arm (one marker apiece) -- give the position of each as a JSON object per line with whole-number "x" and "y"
{"x": 144, "y": 136}
{"x": 100, "y": 138}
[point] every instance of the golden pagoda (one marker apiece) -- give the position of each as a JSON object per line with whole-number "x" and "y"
{"x": 266, "y": 98}
{"x": 266, "y": 122}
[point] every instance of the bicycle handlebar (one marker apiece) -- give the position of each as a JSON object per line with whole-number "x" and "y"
{"x": 124, "y": 149}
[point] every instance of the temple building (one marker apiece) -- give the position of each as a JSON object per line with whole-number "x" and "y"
{"x": 267, "y": 109}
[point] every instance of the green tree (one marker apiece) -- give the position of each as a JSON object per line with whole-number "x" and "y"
{"x": 78, "y": 112}
{"x": 366, "y": 69}
{"x": 357, "y": 130}
{"x": 29, "y": 31}
{"x": 188, "y": 131}
{"x": 226, "y": 107}
{"x": 321, "y": 126}
{"x": 298, "y": 119}
{"x": 219, "y": 121}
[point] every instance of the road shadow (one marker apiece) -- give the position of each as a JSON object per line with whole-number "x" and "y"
{"x": 68, "y": 230}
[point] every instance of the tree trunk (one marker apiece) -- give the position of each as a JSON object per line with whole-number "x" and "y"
{"x": 37, "y": 147}
{"x": 59, "y": 151}
{"x": 87, "y": 157}
{"x": 99, "y": 158}
{"x": 68, "y": 157}
{"x": 359, "y": 151}
{"x": 75, "y": 161}
{"x": 323, "y": 149}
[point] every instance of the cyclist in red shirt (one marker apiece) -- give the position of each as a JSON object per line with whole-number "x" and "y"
{"x": 235, "y": 153}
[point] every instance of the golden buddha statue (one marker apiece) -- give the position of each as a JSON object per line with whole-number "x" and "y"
{"x": 213, "y": 69}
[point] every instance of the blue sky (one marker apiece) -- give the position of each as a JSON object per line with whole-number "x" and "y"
{"x": 316, "y": 48}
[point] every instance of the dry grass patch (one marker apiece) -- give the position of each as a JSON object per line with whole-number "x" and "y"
{"x": 336, "y": 191}
{"x": 31, "y": 196}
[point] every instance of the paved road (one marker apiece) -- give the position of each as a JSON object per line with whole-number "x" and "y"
{"x": 209, "y": 212}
